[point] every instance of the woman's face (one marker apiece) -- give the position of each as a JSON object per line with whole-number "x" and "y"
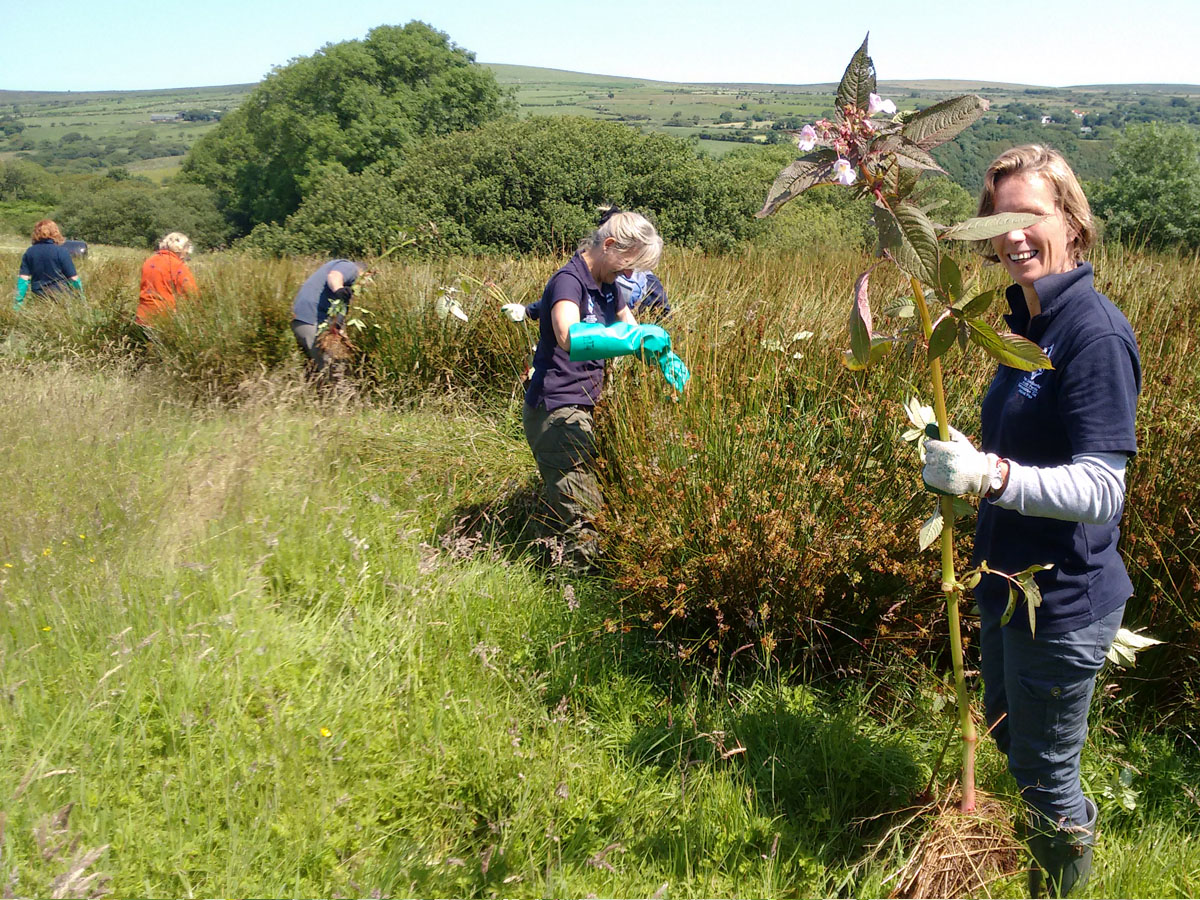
{"x": 1039, "y": 250}
{"x": 616, "y": 262}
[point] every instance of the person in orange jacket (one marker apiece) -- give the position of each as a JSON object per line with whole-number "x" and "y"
{"x": 165, "y": 276}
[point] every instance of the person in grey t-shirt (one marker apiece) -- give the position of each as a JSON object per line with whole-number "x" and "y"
{"x": 333, "y": 281}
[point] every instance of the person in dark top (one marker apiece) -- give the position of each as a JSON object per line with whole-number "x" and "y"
{"x": 334, "y": 281}
{"x": 581, "y": 306}
{"x": 644, "y": 292}
{"x": 47, "y": 266}
{"x": 1052, "y": 481}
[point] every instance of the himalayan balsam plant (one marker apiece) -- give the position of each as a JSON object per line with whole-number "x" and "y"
{"x": 880, "y": 153}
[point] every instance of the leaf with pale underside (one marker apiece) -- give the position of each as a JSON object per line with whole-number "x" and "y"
{"x": 1126, "y": 646}
{"x": 930, "y": 531}
{"x": 909, "y": 239}
{"x": 943, "y": 121}
{"x": 815, "y": 168}
{"x": 860, "y": 321}
{"x": 858, "y": 82}
{"x": 1033, "y": 599}
{"x": 1008, "y": 349}
{"x": 984, "y": 228}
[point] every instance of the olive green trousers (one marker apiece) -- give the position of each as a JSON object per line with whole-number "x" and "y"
{"x": 564, "y": 447}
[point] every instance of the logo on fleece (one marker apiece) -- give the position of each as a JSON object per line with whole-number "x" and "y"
{"x": 1029, "y": 386}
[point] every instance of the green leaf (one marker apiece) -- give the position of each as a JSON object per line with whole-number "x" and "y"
{"x": 880, "y": 347}
{"x": 815, "y": 168}
{"x": 979, "y": 304}
{"x": 860, "y": 321}
{"x": 901, "y": 308}
{"x": 942, "y": 121}
{"x": 906, "y": 154}
{"x": 899, "y": 182}
{"x": 1011, "y": 608}
{"x": 964, "y": 334}
{"x": 950, "y": 278}
{"x": 858, "y": 82}
{"x": 962, "y": 508}
{"x": 1008, "y": 349}
{"x": 908, "y": 236}
{"x": 942, "y": 338}
{"x": 984, "y": 228}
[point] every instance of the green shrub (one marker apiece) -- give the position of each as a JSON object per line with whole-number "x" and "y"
{"x": 530, "y": 186}
{"x": 1153, "y": 196}
{"x": 135, "y": 213}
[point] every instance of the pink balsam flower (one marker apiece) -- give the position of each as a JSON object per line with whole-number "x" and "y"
{"x": 878, "y": 105}
{"x": 807, "y": 139}
{"x": 843, "y": 172}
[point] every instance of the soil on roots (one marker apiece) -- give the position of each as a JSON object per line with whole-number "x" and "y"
{"x": 961, "y": 854}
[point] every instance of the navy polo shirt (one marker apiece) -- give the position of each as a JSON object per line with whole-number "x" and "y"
{"x": 48, "y": 265}
{"x": 1085, "y": 404}
{"x": 557, "y": 381}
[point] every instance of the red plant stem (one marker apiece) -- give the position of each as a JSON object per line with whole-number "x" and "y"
{"x": 950, "y": 585}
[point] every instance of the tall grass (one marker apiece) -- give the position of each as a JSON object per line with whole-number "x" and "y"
{"x": 774, "y": 504}
{"x": 236, "y": 659}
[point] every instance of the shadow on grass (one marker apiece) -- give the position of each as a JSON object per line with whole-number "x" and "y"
{"x": 816, "y": 777}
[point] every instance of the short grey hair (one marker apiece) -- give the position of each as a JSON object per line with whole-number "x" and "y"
{"x": 629, "y": 231}
{"x": 176, "y": 242}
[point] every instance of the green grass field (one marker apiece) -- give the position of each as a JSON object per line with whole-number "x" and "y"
{"x": 239, "y": 657}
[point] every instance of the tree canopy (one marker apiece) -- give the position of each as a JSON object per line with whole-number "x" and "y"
{"x": 1154, "y": 193}
{"x": 346, "y": 107}
{"x": 531, "y": 185}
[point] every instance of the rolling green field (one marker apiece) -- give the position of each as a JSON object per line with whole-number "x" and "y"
{"x": 719, "y": 117}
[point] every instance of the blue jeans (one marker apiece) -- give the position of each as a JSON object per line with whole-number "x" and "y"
{"x": 1036, "y": 693}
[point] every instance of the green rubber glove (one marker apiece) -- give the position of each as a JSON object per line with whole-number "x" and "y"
{"x": 595, "y": 341}
{"x": 22, "y": 290}
{"x": 78, "y": 285}
{"x": 674, "y": 370}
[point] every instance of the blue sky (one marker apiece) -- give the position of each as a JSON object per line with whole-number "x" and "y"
{"x": 132, "y": 44}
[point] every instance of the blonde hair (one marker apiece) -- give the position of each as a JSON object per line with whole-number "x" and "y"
{"x": 629, "y": 231}
{"x": 176, "y": 242}
{"x": 1047, "y": 163}
{"x": 47, "y": 228}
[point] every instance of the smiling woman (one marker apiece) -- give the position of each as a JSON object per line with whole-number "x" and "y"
{"x": 1052, "y": 481}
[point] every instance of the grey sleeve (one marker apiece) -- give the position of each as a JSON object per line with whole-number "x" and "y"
{"x": 1089, "y": 489}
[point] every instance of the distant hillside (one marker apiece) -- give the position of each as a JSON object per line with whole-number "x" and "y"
{"x": 145, "y": 131}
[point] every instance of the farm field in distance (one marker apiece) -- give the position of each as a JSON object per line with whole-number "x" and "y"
{"x": 719, "y": 117}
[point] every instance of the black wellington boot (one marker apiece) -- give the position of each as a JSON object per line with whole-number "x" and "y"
{"x": 1064, "y": 853}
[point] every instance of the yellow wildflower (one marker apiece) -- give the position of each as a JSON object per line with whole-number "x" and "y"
{"x": 325, "y": 732}
{"x": 45, "y": 628}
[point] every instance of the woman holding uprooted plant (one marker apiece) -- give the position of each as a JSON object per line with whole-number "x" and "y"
{"x": 1051, "y": 476}
{"x": 584, "y": 320}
